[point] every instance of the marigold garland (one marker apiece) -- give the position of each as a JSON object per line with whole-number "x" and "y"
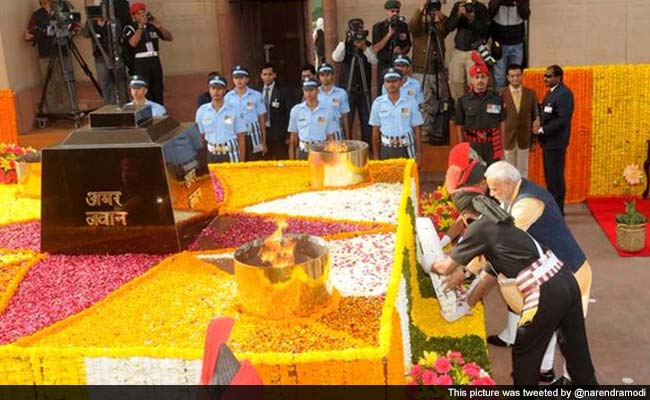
{"x": 621, "y": 124}
{"x": 8, "y": 120}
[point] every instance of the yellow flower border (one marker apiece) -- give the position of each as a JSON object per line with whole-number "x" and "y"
{"x": 26, "y": 265}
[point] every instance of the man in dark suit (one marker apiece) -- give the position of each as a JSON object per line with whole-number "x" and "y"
{"x": 278, "y": 103}
{"x": 557, "y": 111}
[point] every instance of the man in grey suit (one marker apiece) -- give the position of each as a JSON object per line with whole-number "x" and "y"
{"x": 557, "y": 111}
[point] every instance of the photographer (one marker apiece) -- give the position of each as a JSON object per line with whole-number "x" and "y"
{"x": 39, "y": 33}
{"x": 105, "y": 76}
{"x": 470, "y": 20}
{"x": 390, "y": 37}
{"x": 356, "y": 47}
{"x": 143, "y": 37}
{"x": 429, "y": 16}
{"x": 509, "y": 29}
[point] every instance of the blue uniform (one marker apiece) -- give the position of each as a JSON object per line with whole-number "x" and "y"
{"x": 220, "y": 128}
{"x": 311, "y": 125}
{"x": 411, "y": 89}
{"x": 396, "y": 122}
{"x": 157, "y": 110}
{"x": 249, "y": 107}
{"x": 337, "y": 99}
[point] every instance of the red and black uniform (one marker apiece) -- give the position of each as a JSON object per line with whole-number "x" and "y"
{"x": 481, "y": 115}
{"x": 146, "y": 62}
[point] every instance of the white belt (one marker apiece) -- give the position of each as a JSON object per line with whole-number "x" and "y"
{"x": 395, "y": 141}
{"x": 216, "y": 148}
{"x": 146, "y": 54}
{"x": 304, "y": 146}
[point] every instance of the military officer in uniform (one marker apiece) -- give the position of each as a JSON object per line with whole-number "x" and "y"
{"x": 481, "y": 115}
{"x": 221, "y": 127}
{"x": 310, "y": 122}
{"x": 336, "y": 98}
{"x": 250, "y": 107}
{"x": 410, "y": 88}
{"x": 143, "y": 37}
{"x": 139, "y": 89}
{"x": 396, "y": 122}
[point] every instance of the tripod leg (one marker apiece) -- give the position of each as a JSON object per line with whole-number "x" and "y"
{"x": 84, "y": 67}
{"x": 351, "y": 74}
{"x": 364, "y": 83}
{"x": 48, "y": 76}
{"x": 68, "y": 76}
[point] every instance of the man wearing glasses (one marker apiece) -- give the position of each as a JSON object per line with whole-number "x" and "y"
{"x": 557, "y": 111}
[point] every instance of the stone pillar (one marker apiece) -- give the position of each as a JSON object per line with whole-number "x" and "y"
{"x": 331, "y": 27}
{"x": 226, "y": 24}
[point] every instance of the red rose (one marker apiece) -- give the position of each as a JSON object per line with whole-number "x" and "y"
{"x": 11, "y": 177}
{"x": 442, "y": 365}
{"x": 437, "y": 195}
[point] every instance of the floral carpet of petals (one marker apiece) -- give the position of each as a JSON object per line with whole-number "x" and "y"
{"x": 378, "y": 202}
{"x": 16, "y": 209}
{"x": 14, "y": 264}
{"x": 21, "y": 235}
{"x": 194, "y": 293}
{"x": 246, "y": 227}
{"x": 361, "y": 266}
{"x": 59, "y": 286}
{"x": 281, "y": 179}
{"x": 71, "y": 307}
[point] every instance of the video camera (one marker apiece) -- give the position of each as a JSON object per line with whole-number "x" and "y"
{"x": 397, "y": 21}
{"x": 62, "y": 19}
{"x": 356, "y": 31}
{"x": 94, "y": 12}
{"x": 432, "y": 6}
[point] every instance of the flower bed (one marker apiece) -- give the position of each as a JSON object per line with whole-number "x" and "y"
{"x": 146, "y": 325}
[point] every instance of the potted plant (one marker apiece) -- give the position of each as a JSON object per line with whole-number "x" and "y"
{"x": 631, "y": 225}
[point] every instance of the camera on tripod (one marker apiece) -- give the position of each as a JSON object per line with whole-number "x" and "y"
{"x": 432, "y": 6}
{"x": 62, "y": 19}
{"x": 355, "y": 30}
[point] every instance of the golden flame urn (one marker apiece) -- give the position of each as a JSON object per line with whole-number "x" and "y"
{"x": 338, "y": 163}
{"x": 275, "y": 291}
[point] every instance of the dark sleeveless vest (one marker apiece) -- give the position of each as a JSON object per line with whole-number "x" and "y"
{"x": 550, "y": 229}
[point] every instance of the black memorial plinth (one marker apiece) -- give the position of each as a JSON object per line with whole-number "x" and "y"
{"x": 128, "y": 183}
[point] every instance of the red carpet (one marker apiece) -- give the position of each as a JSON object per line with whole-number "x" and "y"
{"x": 604, "y": 210}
